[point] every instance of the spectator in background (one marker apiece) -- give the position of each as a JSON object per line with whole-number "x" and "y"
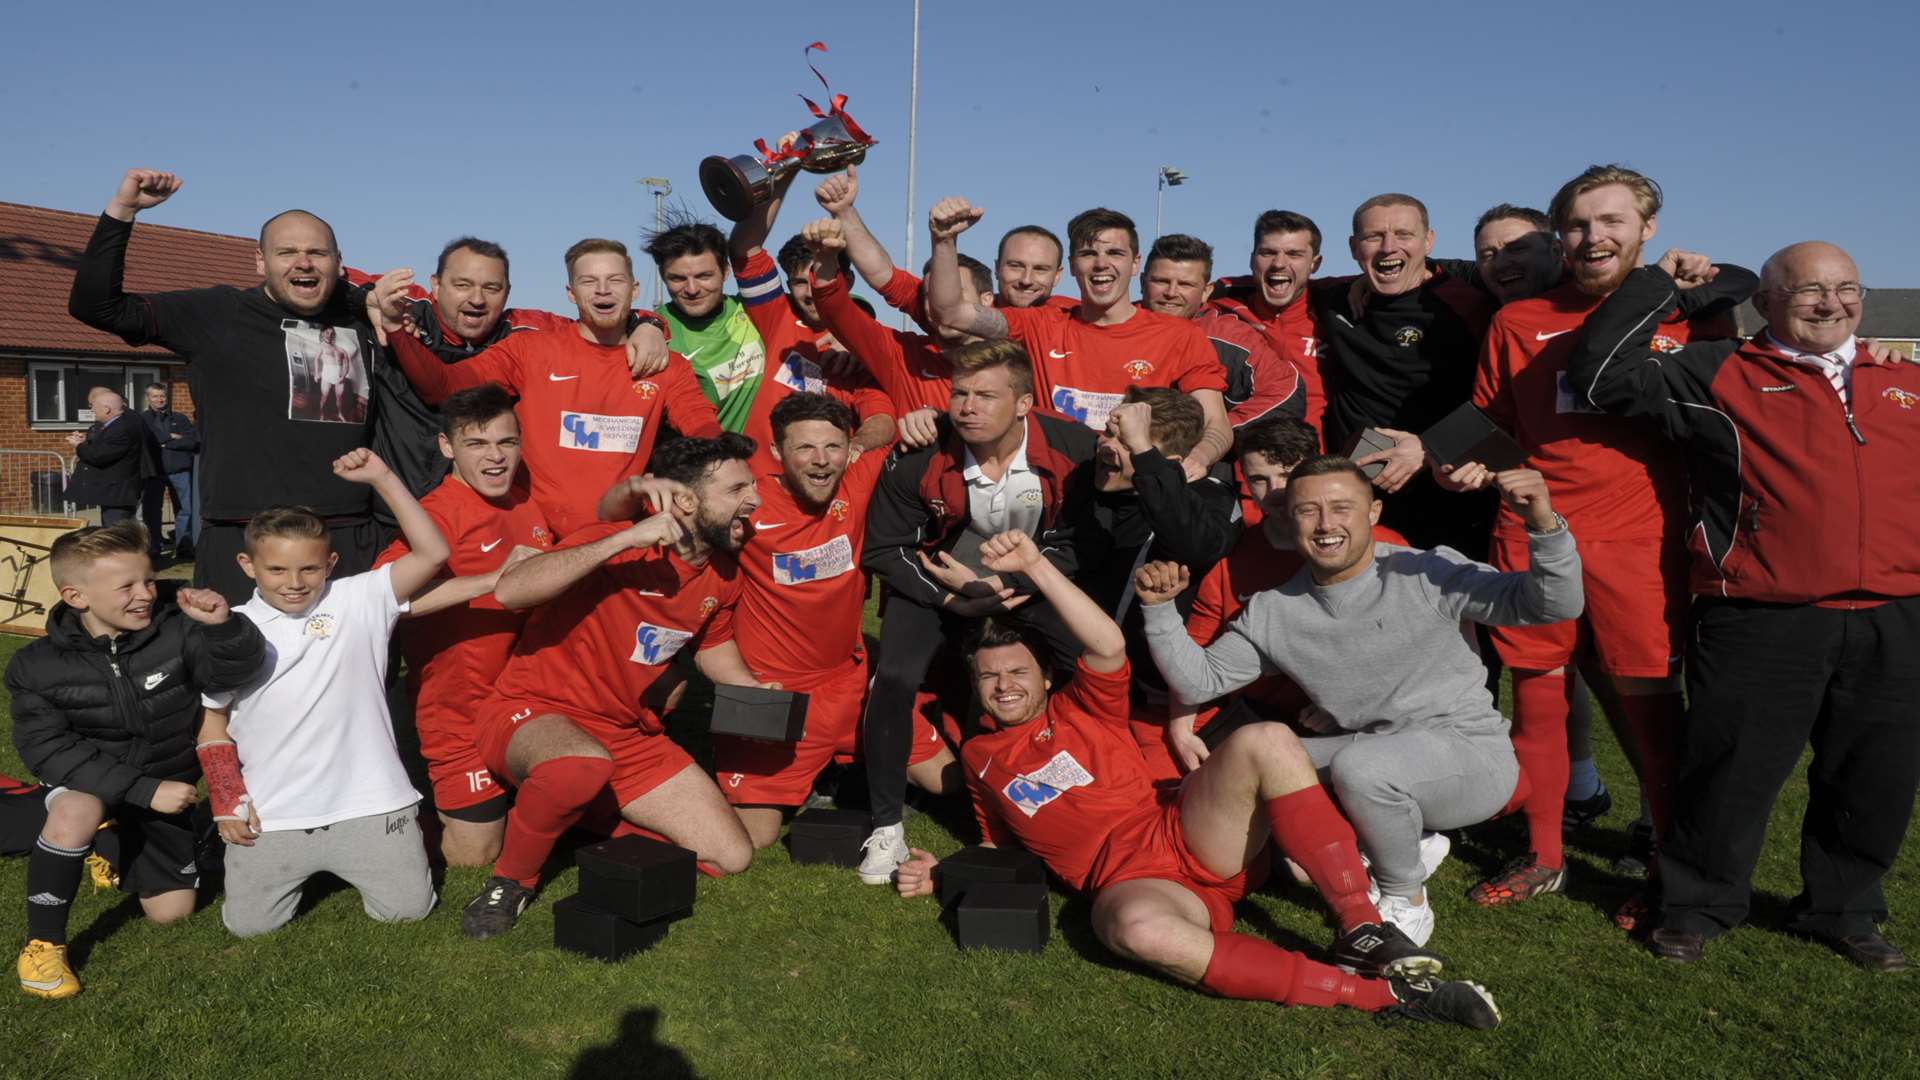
{"x": 113, "y": 459}
{"x": 178, "y": 441}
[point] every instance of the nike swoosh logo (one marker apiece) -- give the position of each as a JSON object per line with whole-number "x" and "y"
{"x": 1058, "y": 355}
{"x": 768, "y": 524}
{"x": 490, "y": 547}
{"x": 694, "y": 353}
{"x": 560, "y": 378}
{"x": 1538, "y": 336}
{"x": 1243, "y": 597}
{"x": 41, "y": 984}
{"x": 647, "y": 592}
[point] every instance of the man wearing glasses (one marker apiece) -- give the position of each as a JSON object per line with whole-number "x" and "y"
{"x": 1804, "y": 540}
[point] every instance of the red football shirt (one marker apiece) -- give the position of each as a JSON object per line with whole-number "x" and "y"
{"x": 598, "y": 647}
{"x": 905, "y": 292}
{"x": 1294, "y": 333}
{"x": 908, "y": 367}
{"x": 1611, "y": 477}
{"x": 1069, "y": 785}
{"x": 793, "y": 359}
{"x": 1254, "y": 565}
{"x": 584, "y": 422}
{"x": 802, "y": 588}
{"x": 1085, "y": 370}
{"x": 455, "y": 654}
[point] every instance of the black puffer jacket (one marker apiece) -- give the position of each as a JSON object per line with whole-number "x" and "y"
{"x": 114, "y": 717}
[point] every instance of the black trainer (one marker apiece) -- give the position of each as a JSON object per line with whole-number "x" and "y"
{"x": 1575, "y": 813}
{"x": 1437, "y": 1001}
{"x": 1638, "y": 861}
{"x": 496, "y": 909}
{"x": 1382, "y": 950}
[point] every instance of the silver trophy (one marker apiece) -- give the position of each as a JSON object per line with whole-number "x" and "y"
{"x": 735, "y": 185}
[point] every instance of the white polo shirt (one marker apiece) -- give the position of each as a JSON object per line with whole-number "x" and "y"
{"x": 1011, "y": 502}
{"x": 314, "y": 737}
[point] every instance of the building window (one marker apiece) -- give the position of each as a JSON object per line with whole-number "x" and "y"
{"x": 57, "y": 393}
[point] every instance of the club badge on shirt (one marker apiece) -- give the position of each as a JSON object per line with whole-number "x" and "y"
{"x": 320, "y": 626}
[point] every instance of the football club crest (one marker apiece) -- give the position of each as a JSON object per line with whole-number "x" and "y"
{"x": 1138, "y": 369}
{"x": 707, "y": 605}
{"x": 1906, "y": 399}
{"x": 1664, "y": 344}
{"x": 320, "y": 626}
{"x": 541, "y": 534}
{"x": 645, "y": 389}
{"x": 1408, "y": 336}
{"x": 838, "y": 509}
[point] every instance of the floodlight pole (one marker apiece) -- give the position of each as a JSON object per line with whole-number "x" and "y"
{"x": 661, "y": 188}
{"x": 1167, "y": 177}
{"x": 913, "y": 121}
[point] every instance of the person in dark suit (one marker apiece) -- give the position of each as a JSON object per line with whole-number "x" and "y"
{"x": 116, "y": 457}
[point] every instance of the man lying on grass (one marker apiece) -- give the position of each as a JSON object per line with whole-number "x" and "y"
{"x": 1063, "y": 778}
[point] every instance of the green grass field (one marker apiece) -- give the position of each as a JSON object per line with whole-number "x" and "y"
{"x": 802, "y": 971}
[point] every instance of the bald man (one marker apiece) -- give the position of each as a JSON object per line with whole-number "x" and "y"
{"x": 279, "y": 372}
{"x": 1805, "y": 546}
{"x": 113, "y": 458}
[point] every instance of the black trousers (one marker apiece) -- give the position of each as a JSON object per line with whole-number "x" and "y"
{"x": 1764, "y": 680}
{"x": 216, "y": 566}
{"x": 911, "y": 635}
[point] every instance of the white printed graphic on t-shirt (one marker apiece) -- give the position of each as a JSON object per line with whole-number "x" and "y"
{"x": 606, "y": 434}
{"x": 326, "y": 375}
{"x": 1090, "y": 407}
{"x": 1031, "y": 791}
{"x": 656, "y": 644}
{"x": 829, "y": 560}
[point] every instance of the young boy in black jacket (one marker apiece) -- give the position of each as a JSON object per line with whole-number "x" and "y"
{"x": 104, "y": 712}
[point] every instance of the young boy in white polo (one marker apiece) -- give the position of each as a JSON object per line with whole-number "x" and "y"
{"x": 302, "y": 771}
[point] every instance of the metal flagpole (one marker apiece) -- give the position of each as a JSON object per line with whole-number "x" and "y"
{"x": 913, "y": 120}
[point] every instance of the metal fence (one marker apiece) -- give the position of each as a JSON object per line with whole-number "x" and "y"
{"x": 33, "y": 482}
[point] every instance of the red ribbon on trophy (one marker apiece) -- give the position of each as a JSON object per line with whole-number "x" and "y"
{"x": 735, "y": 185}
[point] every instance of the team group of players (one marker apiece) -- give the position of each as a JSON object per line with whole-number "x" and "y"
{"x": 1025, "y": 477}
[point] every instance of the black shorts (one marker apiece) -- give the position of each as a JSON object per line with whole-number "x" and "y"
{"x": 157, "y": 852}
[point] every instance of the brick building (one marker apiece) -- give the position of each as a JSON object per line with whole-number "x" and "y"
{"x": 49, "y": 361}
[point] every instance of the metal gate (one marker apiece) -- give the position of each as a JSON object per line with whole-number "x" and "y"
{"x": 33, "y": 482}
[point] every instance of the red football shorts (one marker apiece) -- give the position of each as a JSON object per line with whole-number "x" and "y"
{"x": 755, "y": 772}
{"x": 1156, "y": 847}
{"x": 641, "y": 761}
{"x": 455, "y": 768}
{"x": 1635, "y": 620}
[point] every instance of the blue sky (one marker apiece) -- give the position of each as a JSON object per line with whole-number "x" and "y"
{"x": 409, "y": 124}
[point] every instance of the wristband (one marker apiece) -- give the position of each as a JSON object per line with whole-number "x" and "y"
{"x": 226, "y": 790}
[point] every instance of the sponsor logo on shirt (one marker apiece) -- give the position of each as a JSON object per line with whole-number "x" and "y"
{"x": 1407, "y": 336}
{"x": 1031, "y": 791}
{"x": 1087, "y": 406}
{"x": 605, "y": 434}
{"x": 645, "y": 389}
{"x": 1906, "y": 399}
{"x": 1138, "y": 369}
{"x": 828, "y": 560}
{"x": 1566, "y": 401}
{"x": 656, "y": 644}
{"x": 320, "y": 626}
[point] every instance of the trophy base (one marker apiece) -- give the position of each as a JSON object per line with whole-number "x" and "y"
{"x": 730, "y": 184}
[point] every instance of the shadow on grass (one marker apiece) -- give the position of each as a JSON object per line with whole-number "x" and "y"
{"x": 102, "y": 928}
{"x": 636, "y": 1052}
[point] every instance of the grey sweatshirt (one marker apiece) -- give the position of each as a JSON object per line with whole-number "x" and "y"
{"x": 1385, "y": 650}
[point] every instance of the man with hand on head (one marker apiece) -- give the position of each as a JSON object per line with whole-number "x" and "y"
{"x": 1085, "y": 363}
{"x": 1799, "y": 447}
{"x": 1410, "y": 738}
{"x": 1062, "y": 778}
{"x": 577, "y": 709}
{"x": 250, "y": 358}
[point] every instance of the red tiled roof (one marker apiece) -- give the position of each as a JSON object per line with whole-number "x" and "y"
{"x": 39, "y": 249}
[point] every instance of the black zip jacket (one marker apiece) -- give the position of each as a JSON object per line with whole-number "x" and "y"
{"x": 114, "y": 717}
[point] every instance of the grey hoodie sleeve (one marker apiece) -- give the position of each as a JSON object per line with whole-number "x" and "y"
{"x": 1194, "y": 674}
{"x": 1548, "y": 591}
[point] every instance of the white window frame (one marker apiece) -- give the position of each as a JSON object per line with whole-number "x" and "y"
{"x": 134, "y": 380}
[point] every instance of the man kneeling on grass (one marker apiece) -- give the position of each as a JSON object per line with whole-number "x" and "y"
{"x": 1064, "y": 778}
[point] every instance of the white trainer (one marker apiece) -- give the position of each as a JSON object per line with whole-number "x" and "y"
{"x": 886, "y": 849}
{"x": 1434, "y": 847}
{"x": 1414, "y": 920}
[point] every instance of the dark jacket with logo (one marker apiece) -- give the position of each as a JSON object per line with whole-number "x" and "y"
{"x": 114, "y": 717}
{"x": 1796, "y": 496}
{"x": 114, "y": 463}
{"x": 921, "y": 505}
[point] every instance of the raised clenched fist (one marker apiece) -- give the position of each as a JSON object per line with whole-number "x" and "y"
{"x": 952, "y": 216}
{"x": 141, "y": 189}
{"x": 836, "y": 193}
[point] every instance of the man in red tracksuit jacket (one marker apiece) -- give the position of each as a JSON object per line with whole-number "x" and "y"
{"x": 1805, "y": 550}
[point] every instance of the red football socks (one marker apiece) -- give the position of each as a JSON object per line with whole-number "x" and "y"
{"x": 547, "y": 804}
{"x": 1310, "y": 831}
{"x": 1252, "y": 969}
{"x": 1654, "y": 722}
{"x": 1540, "y": 742}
